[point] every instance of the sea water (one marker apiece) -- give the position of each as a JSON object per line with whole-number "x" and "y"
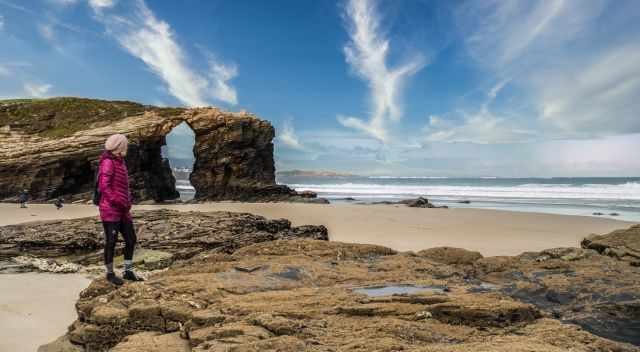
{"x": 561, "y": 195}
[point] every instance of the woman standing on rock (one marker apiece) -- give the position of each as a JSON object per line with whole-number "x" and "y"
{"x": 115, "y": 204}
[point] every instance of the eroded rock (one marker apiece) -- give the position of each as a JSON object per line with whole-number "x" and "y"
{"x": 253, "y": 292}
{"x": 51, "y": 147}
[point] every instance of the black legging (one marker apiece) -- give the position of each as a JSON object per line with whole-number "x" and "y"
{"x": 111, "y": 230}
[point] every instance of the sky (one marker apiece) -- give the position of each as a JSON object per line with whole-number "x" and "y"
{"x": 373, "y": 87}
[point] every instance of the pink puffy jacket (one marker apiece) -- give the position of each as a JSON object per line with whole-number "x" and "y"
{"x": 113, "y": 183}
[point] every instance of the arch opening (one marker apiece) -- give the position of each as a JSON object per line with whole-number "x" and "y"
{"x": 178, "y": 150}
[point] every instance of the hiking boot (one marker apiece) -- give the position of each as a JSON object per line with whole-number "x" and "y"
{"x": 112, "y": 278}
{"x": 131, "y": 276}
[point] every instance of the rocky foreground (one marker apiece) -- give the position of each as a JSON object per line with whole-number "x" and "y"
{"x": 239, "y": 282}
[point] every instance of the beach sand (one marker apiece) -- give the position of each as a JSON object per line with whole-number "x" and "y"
{"x": 491, "y": 232}
{"x": 36, "y": 308}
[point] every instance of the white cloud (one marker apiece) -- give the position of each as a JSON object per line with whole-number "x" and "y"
{"x": 367, "y": 54}
{"x": 1, "y": 22}
{"x": 36, "y": 90}
{"x": 64, "y": 2}
{"x": 220, "y": 75}
{"x": 98, "y": 5}
{"x": 498, "y": 33}
{"x": 576, "y": 64}
{"x": 4, "y": 71}
{"x": 47, "y": 32}
{"x": 596, "y": 97}
{"x": 481, "y": 127}
{"x": 289, "y": 138}
{"x": 152, "y": 41}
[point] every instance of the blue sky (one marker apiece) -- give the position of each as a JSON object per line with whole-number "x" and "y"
{"x": 415, "y": 88}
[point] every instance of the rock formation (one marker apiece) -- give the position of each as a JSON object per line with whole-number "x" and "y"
{"x": 51, "y": 147}
{"x": 182, "y": 235}
{"x": 238, "y": 282}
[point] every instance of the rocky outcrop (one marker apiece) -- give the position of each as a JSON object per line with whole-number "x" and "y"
{"x": 181, "y": 235}
{"x": 51, "y": 146}
{"x": 307, "y": 295}
{"x": 621, "y": 244}
{"x": 238, "y": 282}
{"x": 419, "y": 202}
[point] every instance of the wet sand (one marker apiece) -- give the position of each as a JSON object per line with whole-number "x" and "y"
{"x": 36, "y": 309}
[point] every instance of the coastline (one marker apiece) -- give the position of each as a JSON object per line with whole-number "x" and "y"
{"x": 491, "y": 232}
{"x": 27, "y": 316}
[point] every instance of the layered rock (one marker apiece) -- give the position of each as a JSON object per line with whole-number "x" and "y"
{"x": 180, "y": 234}
{"x": 238, "y": 282}
{"x": 50, "y": 147}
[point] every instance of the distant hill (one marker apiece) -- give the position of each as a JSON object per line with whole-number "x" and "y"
{"x": 313, "y": 173}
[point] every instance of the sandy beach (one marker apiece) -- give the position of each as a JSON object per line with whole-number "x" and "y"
{"x": 36, "y": 308}
{"x": 491, "y": 232}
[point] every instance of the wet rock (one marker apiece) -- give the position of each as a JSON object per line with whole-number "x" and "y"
{"x": 420, "y": 202}
{"x": 484, "y": 311}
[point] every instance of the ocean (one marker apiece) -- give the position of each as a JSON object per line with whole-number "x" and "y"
{"x": 614, "y": 197}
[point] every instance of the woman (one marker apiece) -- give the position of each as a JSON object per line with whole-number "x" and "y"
{"x": 115, "y": 203}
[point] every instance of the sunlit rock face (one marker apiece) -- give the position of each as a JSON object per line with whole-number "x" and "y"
{"x": 51, "y": 148}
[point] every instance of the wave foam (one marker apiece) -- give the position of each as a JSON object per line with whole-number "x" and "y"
{"x": 627, "y": 191}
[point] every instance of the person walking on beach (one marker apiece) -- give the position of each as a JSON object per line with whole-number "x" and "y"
{"x": 59, "y": 203}
{"x": 115, "y": 206}
{"x": 24, "y": 197}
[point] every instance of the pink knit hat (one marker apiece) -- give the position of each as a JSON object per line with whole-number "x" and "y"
{"x": 116, "y": 142}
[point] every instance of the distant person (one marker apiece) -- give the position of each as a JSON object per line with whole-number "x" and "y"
{"x": 59, "y": 203}
{"x": 24, "y": 197}
{"x": 115, "y": 206}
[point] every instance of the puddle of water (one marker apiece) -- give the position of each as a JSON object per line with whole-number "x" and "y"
{"x": 483, "y": 287}
{"x": 379, "y": 291}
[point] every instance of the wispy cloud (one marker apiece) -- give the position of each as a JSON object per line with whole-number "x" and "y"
{"x": 37, "y": 90}
{"x": 153, "y": 41}
{"x": 1, "y": 22}
{"x": 63, "y": 2}
{"x": 481, "y": 127}
{"x": 498, "y": 33}
{"x": 289, "y": 138}
{"x": 600, "y": 96}
{"x": 220, "y": 75}
{"x": 47, "y": 32}
{"x": 367, "y": 53}
{"x": 98, "y": 5}
{"x": 576, "y": 64}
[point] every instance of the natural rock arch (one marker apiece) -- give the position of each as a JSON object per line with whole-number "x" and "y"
{"x": 43, "y": 148}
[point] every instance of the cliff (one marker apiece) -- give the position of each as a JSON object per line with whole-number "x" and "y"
{"x": 51, "y": 146}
